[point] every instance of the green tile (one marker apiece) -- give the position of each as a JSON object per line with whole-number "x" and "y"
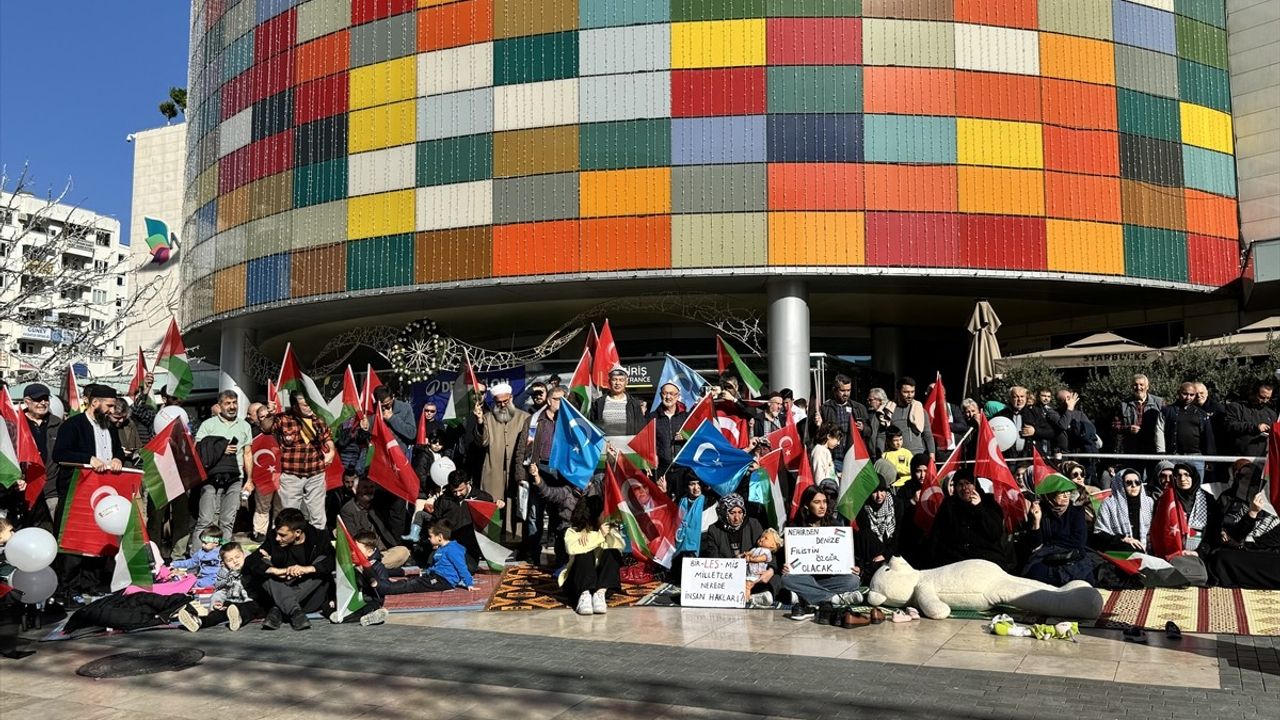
{"x": 627, "y": 144}
{"x": 380, "y": 262}
{"x": 553, "y": 56}
{"x": 814, "y": 8}
{"x": 1211, "y": 12}
{"x": 320, "y": 183}
{"x": 1148, "y": 115}
{"x": 687, "y": 10}
{"x": 815, "y": 89}
{"x": 1204, "y": 85}
{"x": 455, "y": 160}
{"x": 1203, "y": 43}
{"x": 1155, "y": 253}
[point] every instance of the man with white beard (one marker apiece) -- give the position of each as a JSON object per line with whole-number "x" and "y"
{"x": 499, "y": 435}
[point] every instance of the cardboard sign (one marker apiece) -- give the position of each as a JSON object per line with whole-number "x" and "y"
{"x": 820, "y": 550}
{"x": 713, "y": 583}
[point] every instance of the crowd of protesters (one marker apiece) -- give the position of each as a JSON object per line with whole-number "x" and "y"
{"x": 282, "y": 565}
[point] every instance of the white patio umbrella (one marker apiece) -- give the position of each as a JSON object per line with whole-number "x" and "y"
{"x": 1250, "y": 339}
{"x": 985, "y": 350}
{"x": 1093, "y": 351}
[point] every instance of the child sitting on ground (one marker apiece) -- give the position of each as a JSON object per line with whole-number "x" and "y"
{"x": 760, "y": 557}
{"x": 205, "y": 562}
{"x": 230, "y": 602}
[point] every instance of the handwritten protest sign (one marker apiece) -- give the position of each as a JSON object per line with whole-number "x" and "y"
{"x": 820, "y": 550}
{"x": 713, "y": 583}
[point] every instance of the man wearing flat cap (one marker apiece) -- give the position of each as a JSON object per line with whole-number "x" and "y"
{"x": 44, "y": 430}
{"x": 617, "y": 413}
{"x": 498, "y": 434}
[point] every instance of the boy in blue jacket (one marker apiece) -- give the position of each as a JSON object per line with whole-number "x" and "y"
{"x": 448, "y": 570}
{"x": 205, "y": 562}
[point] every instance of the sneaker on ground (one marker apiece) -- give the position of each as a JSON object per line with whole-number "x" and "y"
{"x": 234, "y": 619}
{"x": 585, "y": 606}
{"x": 377, "y": 617}
{"x": 300, "y": 622}
{"x": 274, "y": 620}
{"x": 762, "y": 600}
{"x": 847, "y": 599}
{"x": 599, "y": 603}
{"x": 801, "y": 611}
{"x": 187, "y": 616}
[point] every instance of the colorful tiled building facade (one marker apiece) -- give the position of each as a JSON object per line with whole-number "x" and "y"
{"x": 356, "y": 146}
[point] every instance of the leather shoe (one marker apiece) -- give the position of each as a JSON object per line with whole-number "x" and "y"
{"x": 875, "y": 616}
{"x": 852, "y": 619}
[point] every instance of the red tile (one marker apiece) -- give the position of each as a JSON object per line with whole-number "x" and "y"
{"x": 814, "y": 41}
{"x": 999, "y": 241}
{"x": 719, "y": 91}
{"x": 912, "y": 239}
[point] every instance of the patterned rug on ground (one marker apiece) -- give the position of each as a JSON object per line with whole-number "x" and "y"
{"x": 1227, "y": 611}
{"x": 457, "y": 599}
{"x": 525, "y": 587}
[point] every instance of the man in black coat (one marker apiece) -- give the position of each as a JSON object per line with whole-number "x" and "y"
{"x": 1032, "y": 422}
{"x": 292, "y": 571}
{"x": 90, "y": 438}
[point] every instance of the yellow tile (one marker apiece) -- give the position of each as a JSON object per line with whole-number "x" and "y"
{"x": 383, "y": 82}
{"x": 382, "y": 214}
{"x": 1085, "y": 247}
{"x": 625, "y": 192}
{"x": 382, "y": 126}
{"x": 1001, "y": 191}
{"x": 1206, "y": 128}
{"x": 999, "y": 142}
{"x": 717, "y": 43}
{"x": 817, "y": 238}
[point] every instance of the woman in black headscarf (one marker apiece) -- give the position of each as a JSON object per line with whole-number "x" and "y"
{"x": 1249, "y": 556}
{"x": 876, "y": 538}
{"x": 1204, "y": 523}
{"x": 733, "y": 535}
{"x": 970, "y": 526}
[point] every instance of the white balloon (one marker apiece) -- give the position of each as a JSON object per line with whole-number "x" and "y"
{"x": 440, "y": 470}
{"x": 1006, "y": 433}
{"x": 55, "y": 407}
{"x": 112, "y": 514}
{"x": 36, "y": 587}
{"x": 31, "y": 549}
{"x": 166, "y": 415}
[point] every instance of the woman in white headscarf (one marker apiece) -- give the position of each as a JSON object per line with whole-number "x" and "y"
{"x": 1124, "y": 519}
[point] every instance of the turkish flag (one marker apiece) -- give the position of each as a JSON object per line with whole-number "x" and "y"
{"x": 787, "y": 440}
{"x": 804, "y": 480}
{"x": 935, "y": 406}
{"x": 733, "y": 423}
{"x": 1168, "y": 526}
{"x": 388, "y": 465}
{"x": 991, "y": 465}
{"x": 931, "y": 495}
{"x": 606, "y": 356}
{"x": 79, "y": 532}
{"x": 266, "y": 464}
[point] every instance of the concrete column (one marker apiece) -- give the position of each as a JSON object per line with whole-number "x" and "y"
{"x": 231, "y": 370}
{"x": 789, "y": 335}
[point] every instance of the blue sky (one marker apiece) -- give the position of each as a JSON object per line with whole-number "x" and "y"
{"x": 76, "y": 77}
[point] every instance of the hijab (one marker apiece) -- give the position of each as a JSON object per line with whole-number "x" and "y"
{"x": 883, "y": 519}
{"x": 727, "y": 503}
{"x": 1114, "y": 515}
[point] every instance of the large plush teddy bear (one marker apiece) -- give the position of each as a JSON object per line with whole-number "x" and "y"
{"x": 978, "y": 585}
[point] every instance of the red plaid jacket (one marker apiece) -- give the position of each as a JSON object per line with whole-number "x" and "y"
{"x": 298, "y": 457}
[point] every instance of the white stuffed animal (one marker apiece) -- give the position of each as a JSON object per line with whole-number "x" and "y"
{"x": 978, "y": 585}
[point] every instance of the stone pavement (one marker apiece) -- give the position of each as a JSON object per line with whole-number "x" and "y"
{"x": 649, "y": 663}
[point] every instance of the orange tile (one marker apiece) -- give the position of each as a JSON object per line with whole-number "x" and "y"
{"x": 608, "y": 193}
{"x": 539, "y": 248}
{"x": 1095, "y": 152}
{"x": 626, "y": 243}
{"x": 321, "y": 57}
{"x": 924, "y": 188}
{"x": 1082, "y": 197}
{"x": 1007, "y": 13}
{"x": 815, "y": 186}
{"x": 1209, "y": 214}
{"x": 460, "y": 23}
{"x": 1077, "y": 104}
{"x": 1001, "y": 191}
{"x": 817, "y": 238}
{"x": 1076, "y": 58}
{"x": 909, "y": 91}
{"x": 998, "y": 96}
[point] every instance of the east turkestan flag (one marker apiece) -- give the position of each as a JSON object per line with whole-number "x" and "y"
{"x": 685, "y": 378}
{"x": 576, "y": 447}
{"x": 171, "y": 464}
{"x": 172, "y": 358}
{"x": 351, "y": 561}
{"x": 486, "y": 519}
{"x": 715, "y": 460}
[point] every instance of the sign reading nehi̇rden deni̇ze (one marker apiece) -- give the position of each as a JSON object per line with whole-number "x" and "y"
{"x": 713, "y": 583}
{"x": 820, "y": 550}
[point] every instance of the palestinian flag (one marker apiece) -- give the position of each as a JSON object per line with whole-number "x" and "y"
{"x": 858, "y": 479}
{"x": 388, "y": 465}
{"x": 171, "y": 464}
{"x": 71, "y": 390}
{"x": 133, "y": 560}
{"x": 466, "y": 390}
{"x": 78, "y": 532}
{"x": 725, "y": 356}
{"x": 331, "y": 412}
{"x": 349, "y": 400}
{"x": 10, "y": 470}
{"x": 765, "y": 489}
{"x": 641, "y": 449}
{"x": 1039, "y": 468}
{"x": 335, "y": 470}
{"x": 139, "y": 374}
{"x": 172, "y": 358}
{"x": 606, "y": 357}
{"x": 351, "y": 561}
{"x": 273, "y": 395}
{"x": 486, "y": 518}
{"x": 703, "y": 410}
{"x": 1096, "y": 499}
{"x": 644, "y": 513}
{"x": 1055, "y": 483}
{"x": 1151, "y": 570}
{"x": 25, "y": 449}
{"x": 580, "y": 385}
{"x": 593, "y": 339}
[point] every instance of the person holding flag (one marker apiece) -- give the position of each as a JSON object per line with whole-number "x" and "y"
{"x": 44, "y": 427}
{"x": 306, "y": 449}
